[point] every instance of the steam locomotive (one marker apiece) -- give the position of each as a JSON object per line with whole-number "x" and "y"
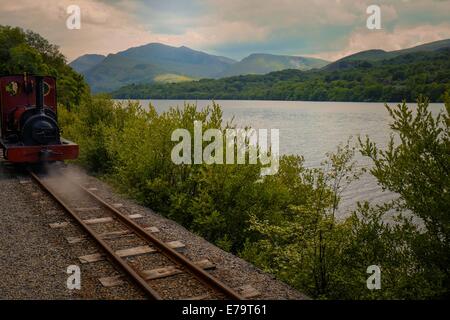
{"x": 28, "y": 121}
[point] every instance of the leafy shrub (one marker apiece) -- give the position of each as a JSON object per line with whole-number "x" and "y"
{"x": 286, "y": 223}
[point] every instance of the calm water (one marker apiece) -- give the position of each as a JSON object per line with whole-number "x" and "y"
{"x": 312, "y": 129}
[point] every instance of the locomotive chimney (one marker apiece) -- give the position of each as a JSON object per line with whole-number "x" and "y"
{"x": 40, "y": 93}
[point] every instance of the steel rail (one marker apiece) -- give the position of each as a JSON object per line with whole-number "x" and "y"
{"x": 169, "y": 252}
{"x": 111, "y": 253}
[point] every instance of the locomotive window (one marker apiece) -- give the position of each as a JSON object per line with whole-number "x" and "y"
{"x": 46, "y": 88}
{"x": 12, "y": 88}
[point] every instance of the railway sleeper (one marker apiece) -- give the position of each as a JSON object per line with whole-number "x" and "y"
{"x": 109, "y": 219}
{"x": 121, "y": 233}
{"x": 64, "y": 224}
{"x": 57, "y": 225}
{"x": 247, "y": 291}
{"x": 111, "y": 235}
{"x": 196, "y": 298}
{"x": 130, "y": 252}
{"x": 84, "y": 209}
{"x": 157, "y": 273}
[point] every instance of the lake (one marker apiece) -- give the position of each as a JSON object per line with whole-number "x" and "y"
{"x": 312, "y": 129}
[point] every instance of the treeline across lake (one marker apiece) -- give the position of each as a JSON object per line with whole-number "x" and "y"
{"x": 404, "y": 77}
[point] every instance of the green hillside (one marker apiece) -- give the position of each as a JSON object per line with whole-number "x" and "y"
{"x": 171, "y": 78}
{"x": 181, "y": 60}
{"x": 377, "y": 55}
{"x": 149, "y": 63}
{"x": 116, "y": 70}
{"x": 403, "y": 77}
{"x": 259, "y": 63}
{"x": 86, "y": 62}
{"x": 145, "y": 63}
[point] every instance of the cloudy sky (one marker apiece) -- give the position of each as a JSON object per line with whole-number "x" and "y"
{"x": 322, "y": 28}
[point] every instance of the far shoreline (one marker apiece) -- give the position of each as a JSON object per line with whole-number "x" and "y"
{"x": 269, "y": 100}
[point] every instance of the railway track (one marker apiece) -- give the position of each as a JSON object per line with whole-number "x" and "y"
{"x": 92, "y": 213}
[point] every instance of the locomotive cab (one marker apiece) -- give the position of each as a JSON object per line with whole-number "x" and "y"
{"x": 28, "y": 121}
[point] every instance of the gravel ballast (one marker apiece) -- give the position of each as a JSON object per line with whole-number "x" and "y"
{"x": 33, "y": 261}
{"x": 34, "y": 257}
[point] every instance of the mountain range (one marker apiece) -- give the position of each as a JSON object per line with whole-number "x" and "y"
{"x": 377, "y": 55}
{"x": 369, "y": 76}
{"x": 156, "y": 62}
{"x": 159, "y": 63}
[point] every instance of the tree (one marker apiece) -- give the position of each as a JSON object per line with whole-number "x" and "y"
{"x": 25, "y": 59}
{"x": 26, "y": 51}
{"x": 417, "y": 168}
{"x": 407, "y": 237}
{"x": 304, "y": 246}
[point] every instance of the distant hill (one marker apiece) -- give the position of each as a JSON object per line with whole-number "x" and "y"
{"x": 156, "y": 62}
{"x": 260, "y": 63}
{"x": 146, "y": 64}
{"x": 116, "y": 70}
{"x": 377, "y": 55}
{"x": 403, "y": 77}
{"x": 159, "y": 63}
{"x": 86, "y": 62}
{"x": 181, "y": 60}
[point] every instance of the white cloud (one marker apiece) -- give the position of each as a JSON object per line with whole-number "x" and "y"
{"x": 108, "y": 27}
{"x": 104, "y": 28}
{"x": 399, "y": 38}
{"x": 288, "y": 13}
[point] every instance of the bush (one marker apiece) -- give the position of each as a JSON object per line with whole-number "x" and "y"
{"x": 286, "y": 223}
{"x": 407, "y": 237}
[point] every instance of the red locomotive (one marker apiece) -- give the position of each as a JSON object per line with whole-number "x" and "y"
{"x": 28, "y": 121}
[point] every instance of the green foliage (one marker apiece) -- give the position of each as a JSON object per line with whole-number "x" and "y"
{"x": 404, "y": 77}
{"x": 408, "y": 237}
{"x": 286, "y": 223}
{"x": 304, "y": 246}
{"x": 144, "y": 64}
{"x": 260, "y": 63}
{"x": 418, "y": 169}
{"x": 24, "y": 57}
{"x": 133, "y": 147}
{"x": 156, "y": 62}
{"x": 374, "y": 239}
{"x": 26, "y": 51}
{"x": 88, "y": 125}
